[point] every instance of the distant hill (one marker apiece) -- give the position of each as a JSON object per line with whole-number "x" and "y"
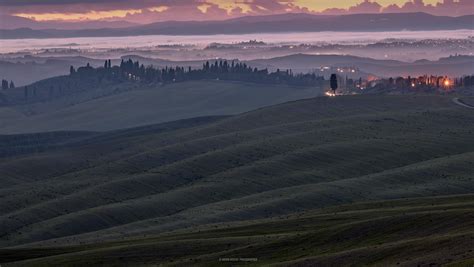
{"x": 266, "y": 24}
{"x": 40, "y": 68}
{"x": 43, "y": 67}
{"x": 113, "y": 106}
{"x": 8, "y": 22}
{"x": 452, "y": 66}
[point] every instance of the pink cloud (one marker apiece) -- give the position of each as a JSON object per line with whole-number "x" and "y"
{"x": 365, "y": 7}
{"x": 445, "y": 8}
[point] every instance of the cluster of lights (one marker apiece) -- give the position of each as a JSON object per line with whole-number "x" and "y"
{"x": 341, "y": 70}
{"x": 446, "y": 83}
{"x": 330, "y": 94}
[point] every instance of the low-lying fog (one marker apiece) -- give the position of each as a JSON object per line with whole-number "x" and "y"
{"x": 380, "y": 45}
{"x": 44, "y": 58}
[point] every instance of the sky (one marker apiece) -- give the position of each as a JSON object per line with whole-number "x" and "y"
{"x": 147, "y": 11}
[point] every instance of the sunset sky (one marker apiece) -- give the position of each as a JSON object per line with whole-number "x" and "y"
{"x": 145, "y": 11}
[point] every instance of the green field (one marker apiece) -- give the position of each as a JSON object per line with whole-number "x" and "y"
{"x": 376, "y": 180}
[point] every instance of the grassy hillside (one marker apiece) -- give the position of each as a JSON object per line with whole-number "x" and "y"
{"x": 114, "y": 107}
{"x": 370, "y": 233}
{"x": 298, "y": 156}
{"x": 468, "y": 101}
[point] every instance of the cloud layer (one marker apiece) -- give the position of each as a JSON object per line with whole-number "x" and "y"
{"x": 146, "y": 11}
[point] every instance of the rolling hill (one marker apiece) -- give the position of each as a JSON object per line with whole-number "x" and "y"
{"x": 379, "y": 233}
{"x": 41, "y": 68}
{"x": 114, "y": 106}
{"x": 44, "y": 67}
{"x": 268, "y": 183}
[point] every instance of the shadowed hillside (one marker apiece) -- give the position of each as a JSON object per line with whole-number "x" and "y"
{"x": 371, "y": 233}
{"x": 292, "y": 157}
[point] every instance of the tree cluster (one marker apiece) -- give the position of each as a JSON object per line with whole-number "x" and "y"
{"x": 6, "y": 85}
{"x": 217, "y": 70}
{"x": 428, "y": 82}
{"x": 467, "y": 81}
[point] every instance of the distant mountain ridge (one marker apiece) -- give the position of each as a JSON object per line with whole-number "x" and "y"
{"x": 265, "y": 24}
{"x": 8, "y": 22}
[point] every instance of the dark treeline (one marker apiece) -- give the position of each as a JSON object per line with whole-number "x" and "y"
{"x": 421, "y": 84}
{"x": 217, "y": 70}
{"x": 111, "y": 78}
{"x": 467, "y": 81}
{"x": 428, "y": 82}
{"x": 6, "y": 85}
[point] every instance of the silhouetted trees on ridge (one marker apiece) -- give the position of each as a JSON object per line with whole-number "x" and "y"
{"x": 333, "y": 83}
{"x": 6, "y": 85}
{"x": 110, "y": 77}
{"x": 217, "y": 70}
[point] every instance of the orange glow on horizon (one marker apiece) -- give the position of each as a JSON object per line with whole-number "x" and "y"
{"x": 321, "y": 5}
{"x": 90, "y": 15}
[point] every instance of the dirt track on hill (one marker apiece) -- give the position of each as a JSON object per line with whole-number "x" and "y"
{"x": 459, "y": 102}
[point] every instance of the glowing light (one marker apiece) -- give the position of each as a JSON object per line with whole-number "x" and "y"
{"x": 330, "y": 94}
{"x": 413, "y": 84}
{"x": 447, "y": 83}
{"x": 371, "y": 78}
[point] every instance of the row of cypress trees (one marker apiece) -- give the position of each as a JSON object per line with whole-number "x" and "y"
{"x": 217, "y": 70}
